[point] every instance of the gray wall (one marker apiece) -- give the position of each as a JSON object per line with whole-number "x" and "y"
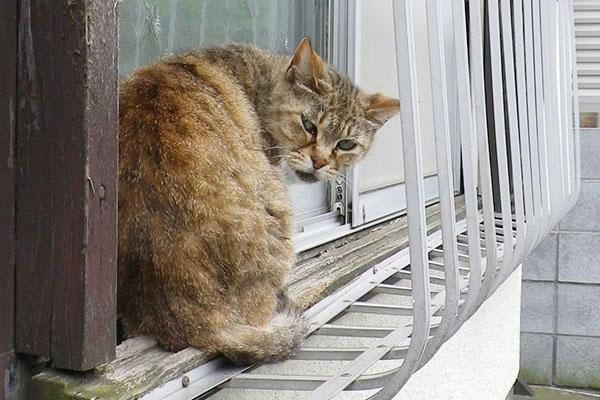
{"x": 560, "y": 320}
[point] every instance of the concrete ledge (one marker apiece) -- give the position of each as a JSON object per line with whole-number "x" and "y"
{"x": 481, "y": 361}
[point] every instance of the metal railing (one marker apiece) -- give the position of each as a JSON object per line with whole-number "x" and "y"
{"x": 532, "y": 77}
{"x": 517, "y": 108}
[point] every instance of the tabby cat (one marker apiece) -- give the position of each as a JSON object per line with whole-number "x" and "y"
{"x": 205, "y": 219}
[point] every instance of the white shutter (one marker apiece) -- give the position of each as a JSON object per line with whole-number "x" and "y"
{"x": 587, "y": 41}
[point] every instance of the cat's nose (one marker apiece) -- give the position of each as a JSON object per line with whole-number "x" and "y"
{"x": 318, "y": 162}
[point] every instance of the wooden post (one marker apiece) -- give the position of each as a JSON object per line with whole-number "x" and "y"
{"x": 8, "y": 101}
{"x": 67, "y": 181}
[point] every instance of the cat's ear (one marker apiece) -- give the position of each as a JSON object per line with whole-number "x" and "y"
{"x": 308, "y": 69}
{"x": 379, "y": 107}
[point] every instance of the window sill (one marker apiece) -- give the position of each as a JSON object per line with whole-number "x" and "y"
{"x": 141, "y": 365}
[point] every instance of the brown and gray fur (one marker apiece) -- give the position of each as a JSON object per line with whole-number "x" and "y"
{"x": 205, "y": 219}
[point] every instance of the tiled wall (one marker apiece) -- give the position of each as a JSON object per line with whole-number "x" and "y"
{"x": 560, "y": 320}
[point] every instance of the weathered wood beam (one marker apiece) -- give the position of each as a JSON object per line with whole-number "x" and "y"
{"x": 8, "y": 102}
{"x": 67, "y": 181}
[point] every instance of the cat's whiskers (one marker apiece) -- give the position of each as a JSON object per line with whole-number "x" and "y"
{"x": 279, "y": 158}
{"x": 271, "y": 148}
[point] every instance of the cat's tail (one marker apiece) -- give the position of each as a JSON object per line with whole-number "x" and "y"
{"x": 277, "y": 340}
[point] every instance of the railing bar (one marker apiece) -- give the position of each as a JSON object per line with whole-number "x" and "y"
{"x": 481, "y": 240}
{"x": 476, "y": 63}
{"x": 440, "y": 253}
{"x": 524, "y": 126}
{"x": 568, "y": 97}
{"x": 548, "y": 20}
{"x": 468, "y": 142}
{"x": 514, "y": 145}
{"x": 375, "y": 308}
{"x": 441, "y": 124}
{"x": 499, "y": 232}
{"x": 568, "y": 80}
{"x": 558, "y": 76}
{"x": 343, "y": 354}
{"x": 532, "y": 118}
{"x": 276, "y": 382}
{"x": 398, "y": 290}
{"x": 565, "y": 97}
{"x": 564, "y": 118}
{"x": 433, "y": 279}
{"x": 353, "y": 331}
{"x": 500, "y": 128}
{"x": 440, "y": 267}
{"x": 360, "y": 331}
{"x": 575, "y": 103}
{"x": 541, "y": 119}
{"x": 412, "y": 153}
{"x": 294, "y": 382}
{"x": 560, "y": 147}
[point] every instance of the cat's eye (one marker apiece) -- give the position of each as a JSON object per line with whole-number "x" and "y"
{"x": 308, "y": 125}
{"x": 346, "y": 144}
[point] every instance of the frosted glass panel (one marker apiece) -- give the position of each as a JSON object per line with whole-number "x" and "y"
{"x": 383, "y": 165}
{"x": 151, "y": 28}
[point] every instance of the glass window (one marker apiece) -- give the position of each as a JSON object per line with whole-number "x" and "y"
{"x": 149, "y": 29}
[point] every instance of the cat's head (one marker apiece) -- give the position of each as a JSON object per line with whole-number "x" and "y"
{"x": 320, "y": 120}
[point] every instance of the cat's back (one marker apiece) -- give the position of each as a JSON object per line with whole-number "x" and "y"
{"x": 182, "y": 95}
{"x": 187, "y": 130}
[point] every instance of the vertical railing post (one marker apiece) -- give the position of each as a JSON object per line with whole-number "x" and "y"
{"x": 500, "y": 129}
{"x": 575, "y": 104}
{"x": 525, "y": 126}
{"x": 541, "y": 121}
{"x": 415, "y": 199}
{"x": 514, "y": 146}
{"x": 481, "y": 126}
{"x": 443, "y": 153}
{"x": 469, "y": 158}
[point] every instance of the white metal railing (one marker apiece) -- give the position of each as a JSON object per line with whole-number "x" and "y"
{"x": 514, "y": 61}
